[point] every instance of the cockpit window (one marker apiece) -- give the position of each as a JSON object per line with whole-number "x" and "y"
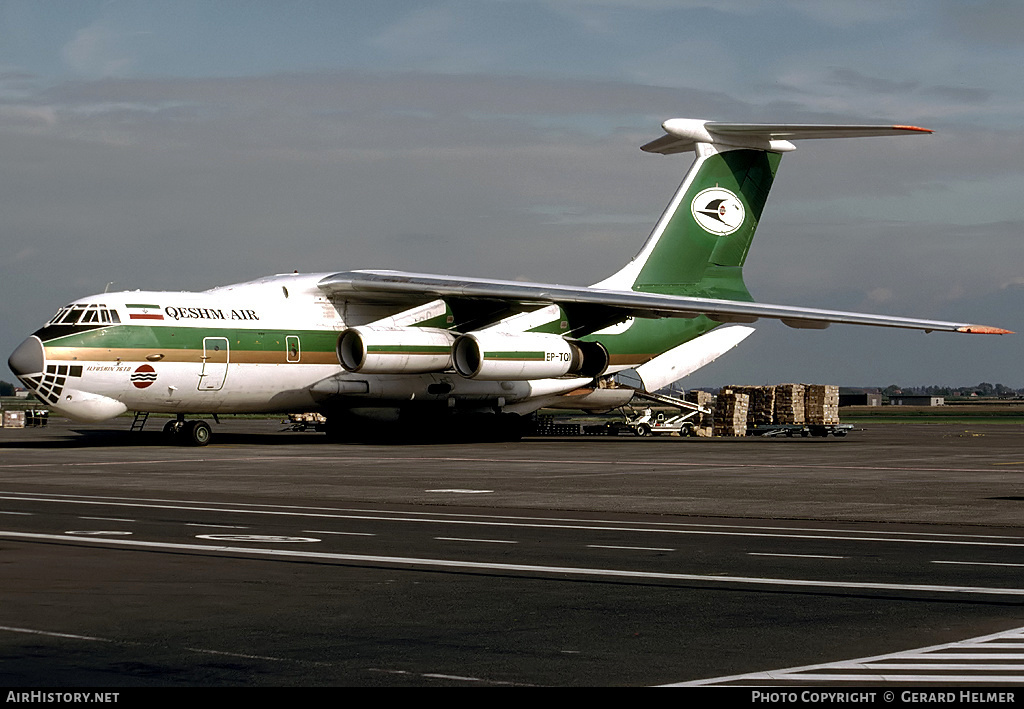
{"x": 85, "y": 315}
{"x": 71, "y": 316}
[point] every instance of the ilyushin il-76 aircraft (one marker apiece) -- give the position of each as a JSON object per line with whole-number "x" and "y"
{"x": 423, "y": 354}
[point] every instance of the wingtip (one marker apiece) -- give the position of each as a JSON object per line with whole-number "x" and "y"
{"x": 915, "y": 129}
{"x": 984, "y": 330}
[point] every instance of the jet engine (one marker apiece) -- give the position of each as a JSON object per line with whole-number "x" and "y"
{"x": 373, "y": 349}
{"x": 494, "y": 356}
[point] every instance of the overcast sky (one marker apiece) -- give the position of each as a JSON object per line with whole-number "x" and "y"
{"x": 183, "y": 145}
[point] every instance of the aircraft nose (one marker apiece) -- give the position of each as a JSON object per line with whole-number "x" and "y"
{"x": 28, "y": 358}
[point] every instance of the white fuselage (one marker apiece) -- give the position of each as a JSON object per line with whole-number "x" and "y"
{"x": 262, "y": 346}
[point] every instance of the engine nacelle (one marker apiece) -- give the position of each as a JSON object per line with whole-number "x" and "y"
{"x": 395, "y": 350}
{"x": 494, "y": 356}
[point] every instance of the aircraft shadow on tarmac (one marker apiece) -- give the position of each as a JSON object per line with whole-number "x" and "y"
{"x": 119, "y": 438}
{"x": 92, "y": 438}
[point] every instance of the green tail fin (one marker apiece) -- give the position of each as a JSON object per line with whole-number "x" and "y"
{"x": 700, "y": 243}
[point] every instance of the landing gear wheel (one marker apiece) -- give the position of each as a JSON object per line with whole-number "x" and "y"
{"x": 197, "y": 433}
{"x": 171, "y": 428}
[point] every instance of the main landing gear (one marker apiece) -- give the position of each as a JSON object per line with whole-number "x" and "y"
{"x": 188, "y": 433}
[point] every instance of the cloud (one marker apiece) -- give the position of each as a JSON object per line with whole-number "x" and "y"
{"x": 27, "y": 116}
{"x": 984, "y": 23}
{"x": 97, "y": 51}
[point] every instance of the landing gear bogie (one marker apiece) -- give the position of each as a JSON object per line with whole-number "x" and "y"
{"x": 188, "y": 433}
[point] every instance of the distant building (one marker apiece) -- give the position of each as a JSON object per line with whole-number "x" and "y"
{"x": 916, "y": 400}
{"x": 860, "y": 399}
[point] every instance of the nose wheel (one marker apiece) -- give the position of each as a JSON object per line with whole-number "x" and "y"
{"x": 188, "y": 433}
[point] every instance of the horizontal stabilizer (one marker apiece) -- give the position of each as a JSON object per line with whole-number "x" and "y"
{"x": 683, "y": 134}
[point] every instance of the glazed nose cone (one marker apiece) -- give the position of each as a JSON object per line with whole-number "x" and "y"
{"x": 28, "y": 358}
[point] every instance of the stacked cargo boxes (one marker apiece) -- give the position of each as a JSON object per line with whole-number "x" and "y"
{"x": 821, "y": 404}
{"x": 13, "y": 419}
{"x": 731, "y": 412}
{"x": 762, "y": 403}
{"x": 789, "y": 404}
{"x": 764, "y": 410}
{"x": 739, "y": 408}
{"x": 703, "y": 424}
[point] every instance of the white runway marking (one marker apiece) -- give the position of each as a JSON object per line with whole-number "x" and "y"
{"x": 272, "y": 538}
{"x": 609, "y": 546}
{"x": 93, "y": 638}
{"x": 978, "y": 563}
{"x": 434, "y": 675}
{"x": 522, "y": 568}
{"x": 796, "y": 556}
{"x": 541, "y": 523}
{"x": 459, "y": 491}
{"x": 482, "y": 541}
{"x": 935, "y": 664}
{"x": 70, "y": 636}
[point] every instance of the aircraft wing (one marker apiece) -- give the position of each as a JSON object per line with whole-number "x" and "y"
{"x": 401, "y": 287}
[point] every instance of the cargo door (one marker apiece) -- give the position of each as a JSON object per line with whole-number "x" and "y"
{"x": 215, "y": 364}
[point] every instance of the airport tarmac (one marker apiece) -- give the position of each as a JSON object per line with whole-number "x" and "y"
{"x": 278, "y": 558}
{"x": 923, "y": 473}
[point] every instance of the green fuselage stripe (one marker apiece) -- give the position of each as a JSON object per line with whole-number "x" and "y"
{"x": 525, "y": 356}
{"x": 408, "y": 349}
{"x": 172, "y": 338}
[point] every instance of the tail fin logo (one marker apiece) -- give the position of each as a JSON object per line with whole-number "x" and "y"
{"x": 718, "y": 211}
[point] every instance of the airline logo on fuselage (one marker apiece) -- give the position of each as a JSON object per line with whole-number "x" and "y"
{"x": 210, "y": 313}
{"x": 143, "y": 377}
{"x": 718, "y": 211}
